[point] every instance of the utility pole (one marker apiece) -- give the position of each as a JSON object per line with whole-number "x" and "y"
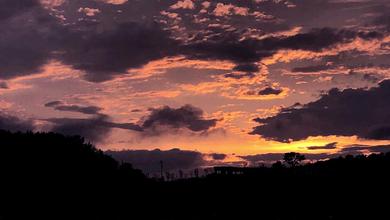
{"x": 162, "y": 170}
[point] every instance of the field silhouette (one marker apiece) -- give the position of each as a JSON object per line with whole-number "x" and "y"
{"x": 52, "y": 176}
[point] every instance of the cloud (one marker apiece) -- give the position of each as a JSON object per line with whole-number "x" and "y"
{"x": 59, "y": 106}
{"x": 188, "y": 116}
{"x": 361, "y": 112}
{"x": 95, "y": 129}
{"x": 29, "y": 45}
{"x": 383, "y": 21}
{"x": 229, "y": 9}
{"x": 13, "y": 123}
{"x": 360, "y": 149}
{"x": 273, "y": 157}
{"x": 270, "y": 91}
{"x": 149, "y": 161}
{"x": 114, "y": 51}
{"x": 217, "y": 156}
{"x": 114, "y": 2}
{"x": 247, "y": 67}
{"x": 52, "y": 3}
{"x": 107, "y": 47}
{"x": 89, "y": 11}
{"x": 160, "y": 121}
{"x": 246, "y": 52}
{"x": 239, "y": 75}
{"x": 3, "y": 85}
{"x": 9, "y": 8}
{"x": 185, "y": 4}
{"x": 329, "y": 146}
{"x": 100, "y": 52}
{"x": 309, "y": 69}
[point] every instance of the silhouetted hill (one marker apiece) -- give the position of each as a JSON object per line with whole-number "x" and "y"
{"x": 51, "y": 176}
{"x": 47, "y": 174}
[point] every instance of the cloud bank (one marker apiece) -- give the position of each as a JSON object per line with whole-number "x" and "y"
{"x": 361, "y": 112}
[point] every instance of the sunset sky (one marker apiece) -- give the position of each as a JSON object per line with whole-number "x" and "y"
{"x": 217, "y": 81}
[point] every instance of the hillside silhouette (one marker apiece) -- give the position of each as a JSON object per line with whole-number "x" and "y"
{"x": 52, "y": 176}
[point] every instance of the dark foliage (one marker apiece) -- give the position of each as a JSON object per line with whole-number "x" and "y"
{"x": 51, "y": 176}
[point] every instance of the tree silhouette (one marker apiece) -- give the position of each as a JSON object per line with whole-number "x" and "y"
{"x": 293, "y": 159}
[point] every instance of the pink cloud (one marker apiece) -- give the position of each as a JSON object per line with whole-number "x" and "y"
{"x": 185, "y": 4}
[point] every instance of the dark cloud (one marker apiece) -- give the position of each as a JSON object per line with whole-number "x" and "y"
{"x": 239, "y": 75}
{"x": 250, "y": 67}
{"x": 29, "y": 35}
{"x": 32, "y": 35}
{"x": 3, "y": 85}
{"x": 346, "y": 150}
{"x": 149, "y": 161}
{"x": 273, "y": 157}
{"x": 245, "y": 70}
{"x": 378, "y": 132}
{"x": 308, "y": 69}
{"x": 317, "y": 39}
{"x": 355, "y": 149}
{"x": 380, "y": 149}
{"x": 270, "y": 91}
{"x": 329, "y": 146}
{"x": 270, "y": 157}
{"x": 9, "y": 8}
{"x": 383, "y": 20}
{"x": 359, "y": 149}
{"x": 188, "y": 116}
{"x": 217, "y": 156}
{"x": 53, "y": 104}
{"x": 160, "y": 121}
{"x": 103, "y": 54}
{"x": 371, "y": 78}
{"x": 13, "y": 123}
{"x": 314, "y": 40}
{"x": 245, "y": 53}
{"x": 360, "y": 112}
{"x": 59, "y": 106}
{"x": 94, "y": 129}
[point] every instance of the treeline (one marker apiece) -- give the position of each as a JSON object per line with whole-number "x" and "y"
{"x": 51, "y": 176}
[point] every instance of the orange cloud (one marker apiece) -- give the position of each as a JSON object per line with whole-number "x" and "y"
{"x": 115, "y": 2}
{"x": 370, "y": 47}
{"x": 185, "y": 4}
{"x": 159, "y": 67}
{"x": 51, "y": 3}
{"x": 229, "y": 9}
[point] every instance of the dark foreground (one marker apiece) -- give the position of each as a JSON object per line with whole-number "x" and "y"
{"x": 49, "y": 176}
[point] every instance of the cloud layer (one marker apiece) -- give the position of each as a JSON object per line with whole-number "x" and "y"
{"x": 361, "y": 112}
{"x": 104, "y": 47}
{"x": 149, "y": 161}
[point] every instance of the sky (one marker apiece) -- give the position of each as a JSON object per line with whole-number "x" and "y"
{"x": 199, "y": 83}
